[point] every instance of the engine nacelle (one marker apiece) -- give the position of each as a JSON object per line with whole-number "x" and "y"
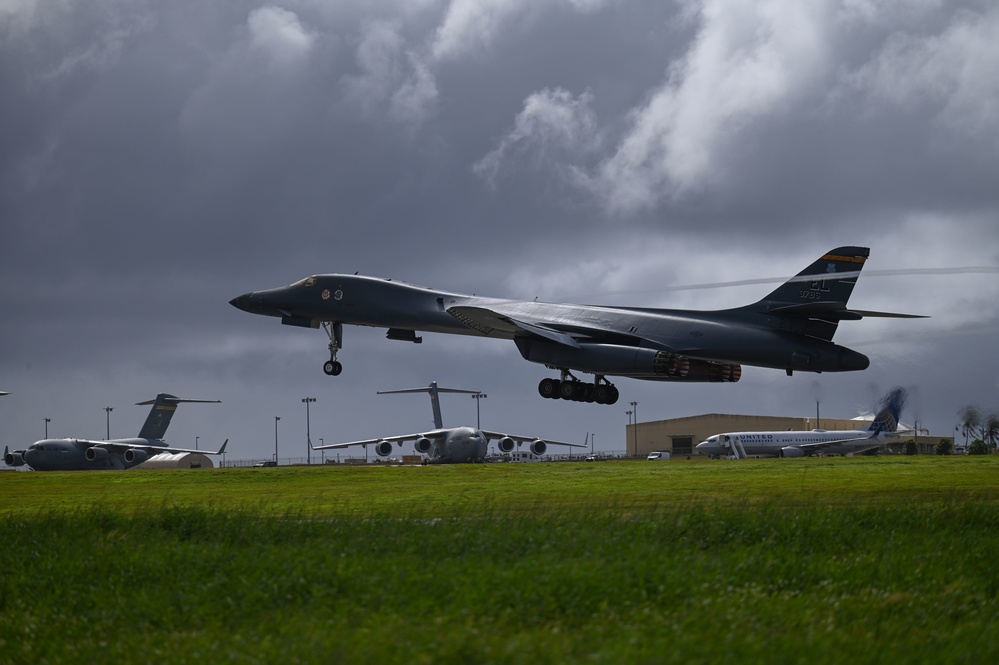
{"x": 791, "y": 451}
{"x": 538, "y": 447}
{"x": 97, "y": 454}
{"x": 15, "y": 458}
{"x": 422, "y": 445}
{"x": 383, "y": 448}
{"x": 506, "y": 444}
{"x": 135, "y": 456}
{"x": 634, "y": 361}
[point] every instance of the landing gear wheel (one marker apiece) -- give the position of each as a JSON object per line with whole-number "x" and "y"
{"x": 332, "y": 368}
{"x": 567, "y": 389}
{"x": 612, "y": 397}
{"x": 549, "y": 388}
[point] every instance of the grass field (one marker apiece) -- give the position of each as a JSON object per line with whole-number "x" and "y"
{"x": 813, "y": 560}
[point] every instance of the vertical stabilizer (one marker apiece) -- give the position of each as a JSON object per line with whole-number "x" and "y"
{"x": 816, "y": 297}
{"x": 159, "y": 416}
{"x": 890, "y": 412}
{"x": 435, "y": 401}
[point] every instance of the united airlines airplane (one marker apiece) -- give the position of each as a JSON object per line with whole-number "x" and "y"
{"x": 798, "y": 444}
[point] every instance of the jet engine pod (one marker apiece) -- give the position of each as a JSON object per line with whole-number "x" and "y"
{"x": 791, "y": 451}
{"x": 135, "y": 456}
{"x": 383, "y": 448}
{"x": 506, "y": 444}
{"x": 97, "y": 454}
{"x": 538, "y": 447}
{"x": 422, "y": 445}
{"x": 15, "y": 458}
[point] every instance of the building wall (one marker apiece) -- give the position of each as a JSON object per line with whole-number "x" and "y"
{"x": 680, "y": 435}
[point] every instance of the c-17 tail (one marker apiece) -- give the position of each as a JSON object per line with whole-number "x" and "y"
{"x": 159, "y": 416}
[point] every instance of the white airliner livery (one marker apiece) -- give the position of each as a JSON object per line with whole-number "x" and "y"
{"x": 798, "y": 444}
{"x": 452, "y": 445}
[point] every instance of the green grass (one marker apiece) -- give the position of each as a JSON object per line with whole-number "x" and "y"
{"x": 819, "y": 561}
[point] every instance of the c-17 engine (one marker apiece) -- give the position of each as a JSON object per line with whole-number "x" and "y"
{"x": 383, "y": 448}
{"x": 422, "y": 445}
{"x": 135, "y": 456}
{"x": 506, "y": 444}
{"x": 15, "y": 458}
{"x": 97, "y": 454}
{"x": 538, "y": 447}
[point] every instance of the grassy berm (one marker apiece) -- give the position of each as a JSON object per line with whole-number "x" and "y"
{"x": 867, "y": 560}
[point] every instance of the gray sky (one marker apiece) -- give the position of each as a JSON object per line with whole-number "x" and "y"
{"x": 158, "y": 159}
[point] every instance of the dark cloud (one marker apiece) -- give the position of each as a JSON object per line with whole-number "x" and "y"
{"x": 158, "y": 160}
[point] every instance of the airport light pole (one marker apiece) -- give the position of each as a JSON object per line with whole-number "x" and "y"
{"x": 276, "y": 419}
{"x": 634, "y": 407}
{"x": 308, "y": 433}
{"x": 109, "y": 409}
{"x": 196, "y": 443}
{"x": 626, "y": 431}
{"x": 47, "y": 421}
{"x": 477, "y": 397}
{"x": 322, "y": 453}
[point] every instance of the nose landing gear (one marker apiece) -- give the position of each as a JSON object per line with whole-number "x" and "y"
{"x": 332, "y": 367}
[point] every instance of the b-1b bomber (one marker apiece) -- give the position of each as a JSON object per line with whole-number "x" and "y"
{"x": 790, "y": 329}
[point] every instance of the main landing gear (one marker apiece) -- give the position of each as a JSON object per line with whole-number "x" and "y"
{"x": 332, "y": 367}
{"x": 569, "y": 387}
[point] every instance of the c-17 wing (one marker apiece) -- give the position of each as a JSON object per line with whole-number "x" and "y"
{"x": 527, "y": 439}
{"x": 152, "y": 447}
{"x": 401, "y": 438}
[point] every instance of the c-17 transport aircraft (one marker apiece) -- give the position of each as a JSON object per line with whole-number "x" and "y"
{"x": 798, "y": 444}
{"x": 790, "y": 329}
{"x": 452, "y": 445}
{"x": 83, "y": 454}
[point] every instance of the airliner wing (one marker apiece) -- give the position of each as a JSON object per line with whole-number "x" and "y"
{"x": 818, "y": 446}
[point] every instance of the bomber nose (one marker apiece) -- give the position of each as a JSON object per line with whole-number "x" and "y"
{"x": 243, "y": 302}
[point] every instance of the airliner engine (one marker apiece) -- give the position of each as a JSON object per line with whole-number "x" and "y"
{"x": 791, "y": 451}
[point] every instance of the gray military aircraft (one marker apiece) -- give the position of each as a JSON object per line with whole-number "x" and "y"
{"x": 790, "y": 329}
{"x": 83, "y": 454}
{"x": 452, "y": 445}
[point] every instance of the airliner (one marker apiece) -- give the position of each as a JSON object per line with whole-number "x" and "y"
{"x": 792, "y": 443}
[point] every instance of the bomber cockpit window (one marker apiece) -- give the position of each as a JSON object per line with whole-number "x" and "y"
{"x": 308, "y": 281}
